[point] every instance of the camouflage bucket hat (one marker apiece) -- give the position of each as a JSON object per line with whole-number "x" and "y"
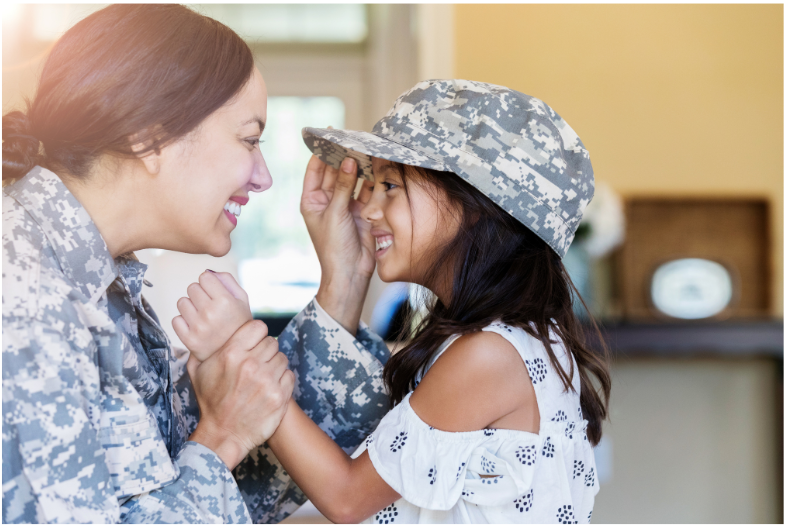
{"x": 512, "y": 147}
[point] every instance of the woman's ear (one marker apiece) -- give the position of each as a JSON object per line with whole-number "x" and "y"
{"x": 141, "y": 146}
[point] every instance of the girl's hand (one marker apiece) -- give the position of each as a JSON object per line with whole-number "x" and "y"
{"x": 242, "y": 391}
{"x": 342, "y": 239}
{"x": 215, "y": 308}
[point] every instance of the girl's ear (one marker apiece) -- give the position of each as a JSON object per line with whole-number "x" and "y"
{"x": 141, "y": 143}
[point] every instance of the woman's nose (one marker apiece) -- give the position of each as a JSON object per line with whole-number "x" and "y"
{"x": 261, "y": 180}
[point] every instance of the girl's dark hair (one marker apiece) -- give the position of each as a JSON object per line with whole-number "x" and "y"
{"x": 501, "y": 270}
{"x": 152, "y": 72}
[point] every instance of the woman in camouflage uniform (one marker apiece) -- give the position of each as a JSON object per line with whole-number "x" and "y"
{"x": 144, "y": 134}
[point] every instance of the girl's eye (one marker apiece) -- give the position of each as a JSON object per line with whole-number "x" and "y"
{"x": 389, "y": 186}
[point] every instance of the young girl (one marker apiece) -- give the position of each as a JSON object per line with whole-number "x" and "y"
{"x": 476, "y": 191}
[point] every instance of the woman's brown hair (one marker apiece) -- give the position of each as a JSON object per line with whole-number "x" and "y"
{"x": 148, "y": 72}
{"x": 501, "y": 271}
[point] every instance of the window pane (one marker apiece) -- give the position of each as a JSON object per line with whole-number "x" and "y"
{"x": 253, "y": 22}
{"x": 50, "y": 21}
{"x": 291, "y": 22}
{"x": 277, "y": 263}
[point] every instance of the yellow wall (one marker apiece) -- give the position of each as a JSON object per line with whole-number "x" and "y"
{"x": 669, "y": 99}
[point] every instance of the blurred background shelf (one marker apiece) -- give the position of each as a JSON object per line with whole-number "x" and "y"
{"x": 761, "y": 338}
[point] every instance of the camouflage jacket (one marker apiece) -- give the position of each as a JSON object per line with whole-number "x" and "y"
{"x": 97, "y": 407}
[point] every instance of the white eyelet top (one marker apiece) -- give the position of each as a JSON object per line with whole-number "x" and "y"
{"x": 548, "y": 477}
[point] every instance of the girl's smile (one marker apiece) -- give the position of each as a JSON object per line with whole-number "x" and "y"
{"x": 408, "y": 230}
{"x": 383, "y": 241}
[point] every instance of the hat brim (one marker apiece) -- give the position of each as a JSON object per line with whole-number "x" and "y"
{"x": 333, "y": 145}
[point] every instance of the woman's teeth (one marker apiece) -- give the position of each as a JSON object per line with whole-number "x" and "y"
{"x": 233, "y": 207}
{"x": 383, "y": 242}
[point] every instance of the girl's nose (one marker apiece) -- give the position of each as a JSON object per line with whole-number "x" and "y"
{"x": 261, "y": 179}
{"x": 371, "y": 211}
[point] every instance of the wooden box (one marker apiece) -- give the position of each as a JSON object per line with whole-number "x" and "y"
{"x": 732, "y": 232}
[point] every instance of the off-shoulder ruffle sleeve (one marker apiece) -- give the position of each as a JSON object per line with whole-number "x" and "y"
{"x": 433, "y": 469}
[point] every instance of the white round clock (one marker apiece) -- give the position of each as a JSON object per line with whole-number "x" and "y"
{"x": 691, "y": 289}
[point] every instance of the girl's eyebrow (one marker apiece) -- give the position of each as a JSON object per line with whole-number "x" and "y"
{"x": 390, "y": 166}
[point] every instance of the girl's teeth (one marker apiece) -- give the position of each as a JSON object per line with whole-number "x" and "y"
{"x": 383, "y": 244}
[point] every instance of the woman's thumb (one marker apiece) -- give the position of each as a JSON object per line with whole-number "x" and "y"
{"x": 192, "y": 366}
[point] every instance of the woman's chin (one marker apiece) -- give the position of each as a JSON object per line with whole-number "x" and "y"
{"x": 220, "y": 247}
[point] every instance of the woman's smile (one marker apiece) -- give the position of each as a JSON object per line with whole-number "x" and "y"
{"x": 233, "y": 208}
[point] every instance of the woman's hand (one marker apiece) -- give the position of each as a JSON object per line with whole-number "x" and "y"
{"x": 342, "y": 239}
{"x": 215, "y": 308}
{"x": 242, "y": 392}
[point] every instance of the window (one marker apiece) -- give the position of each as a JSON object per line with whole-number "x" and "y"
{"x": 330, "y": 64}
{"x": 277, "y": 263}
{"x": 291, "y": 22}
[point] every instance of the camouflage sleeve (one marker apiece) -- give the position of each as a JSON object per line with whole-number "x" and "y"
{"x": 54, "y": 469}
{"x": 54, "y": 460}
{"x": 205, "y": 492}
{"x": 338, "y": 383}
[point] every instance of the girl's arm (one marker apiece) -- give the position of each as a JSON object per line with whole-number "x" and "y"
{"x": 478, "y": 381}
{"x": 345, "y": 490}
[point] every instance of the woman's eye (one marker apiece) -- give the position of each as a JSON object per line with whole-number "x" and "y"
{"x": 253, "y": 142}
{"x": 389, "y": 186}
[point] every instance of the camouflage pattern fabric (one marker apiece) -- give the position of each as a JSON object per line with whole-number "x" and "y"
{"x": 510, "y": 146}
{"x": 97, "y": 407}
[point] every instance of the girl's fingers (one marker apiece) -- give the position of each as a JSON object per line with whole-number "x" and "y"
{"x": 231, "y": 285}
{"x": 180, "y": 327}
{"x": 213, "y": 286}
{"x": 187, "y": 310}
{"x": 200, "y": 299}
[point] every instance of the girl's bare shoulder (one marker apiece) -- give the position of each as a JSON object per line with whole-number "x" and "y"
{"x": 480, "y": 378}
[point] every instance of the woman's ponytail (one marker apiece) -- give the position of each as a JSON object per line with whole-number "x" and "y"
{"x": 21, "y": 151}
{"x": 127, "y": 69}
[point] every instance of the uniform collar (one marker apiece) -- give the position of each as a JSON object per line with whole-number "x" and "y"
{"x": 79, "y": 247}
{"x": 132, "y": 271}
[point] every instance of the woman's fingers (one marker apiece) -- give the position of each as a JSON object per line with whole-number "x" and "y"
{"x": 192, "y": 365}
{"x": 366, "y": 192}
{"x": 344, "y": 186}
{"x": 329, "y": 179}
{"x": 266, "y": 349}
{"x": 315, "y": 173}
{"x": 248, "y": 336}
{"x": 287, "y": 382}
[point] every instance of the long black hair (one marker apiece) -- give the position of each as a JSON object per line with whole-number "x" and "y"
{"x": 500, "y": 270}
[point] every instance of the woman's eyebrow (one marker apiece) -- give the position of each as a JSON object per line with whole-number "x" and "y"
{"x": 255, "y": 120}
